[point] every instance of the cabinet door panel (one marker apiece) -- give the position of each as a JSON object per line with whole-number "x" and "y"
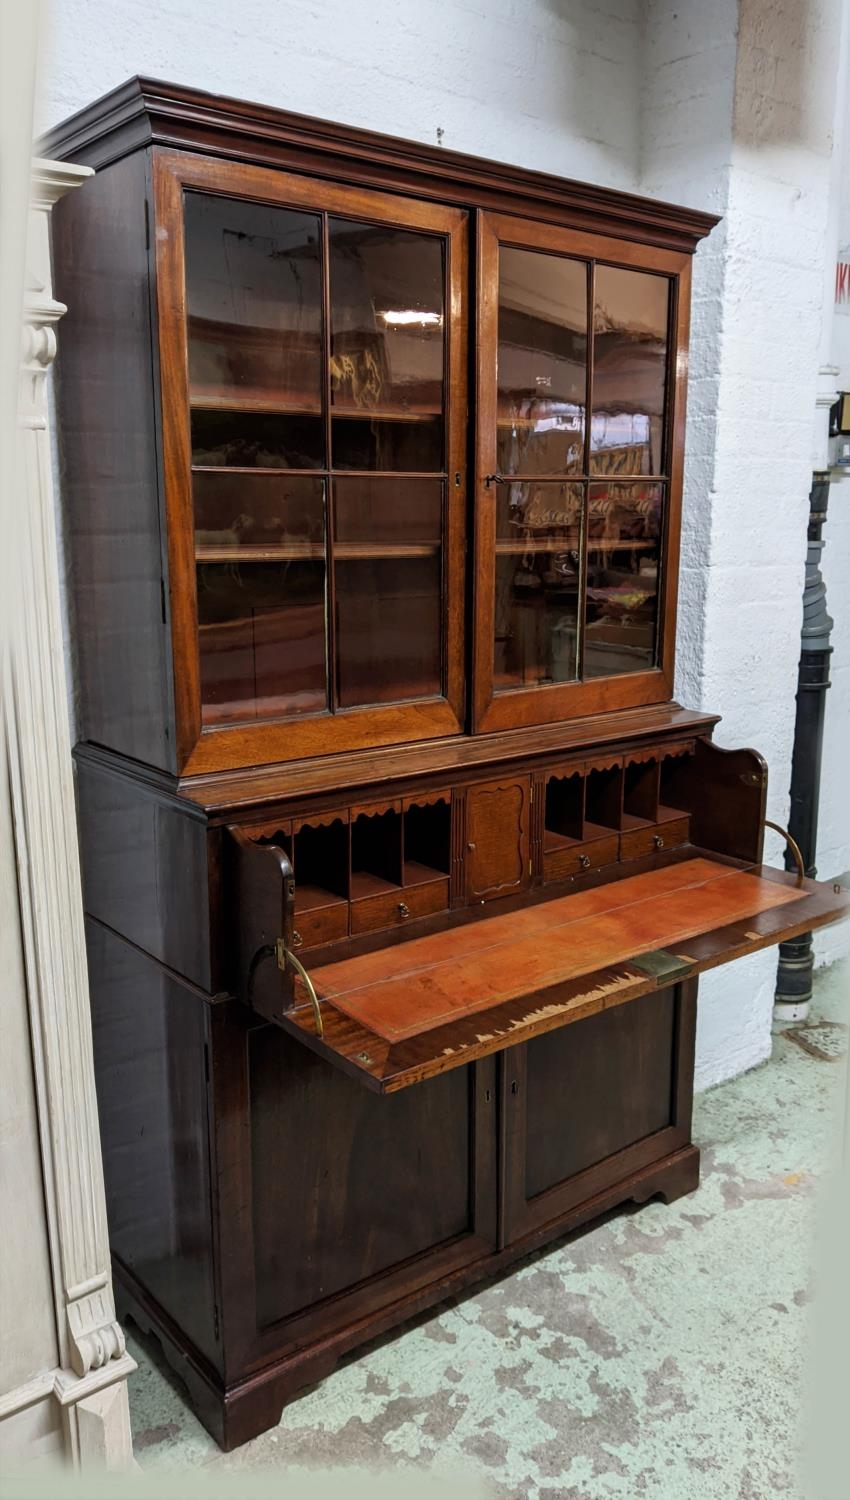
{"x": 587, "y": 1105}
{"x": 347, "y": 1201}
{"x": 497, "y": 838}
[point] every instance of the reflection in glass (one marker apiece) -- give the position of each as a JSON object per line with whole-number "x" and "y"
{"x": 629, "y": 369}
{"x": 538, "y": 578}
{"x": 392, "y": 446}
{"x": 254, "y": 303}
{"x": 256, "y": 440}
{"x": 260, "y": 560}
{"x": 388, "y": 579}
{"x": 387, "y": 347}
{"x": 623, "y": 555}
{"x": 542, "y": 363}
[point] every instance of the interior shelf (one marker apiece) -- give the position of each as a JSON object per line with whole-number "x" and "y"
{"x": 596, "y": 831}
{"x": 669, "y": 814}
{"x": 305, "y": 551}
{"x": 553, "y": 841}
{"x": 387, "y": 413}
{"x": 419, "y": 874}
{"x": 310, "y": 897}
{"x": 364, "y": 883}
{"x": 564, "y": 544}
{"x": 253, "y": 399}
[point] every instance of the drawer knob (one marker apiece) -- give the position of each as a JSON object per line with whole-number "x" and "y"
{"x": 658, "y": 841}
{"x": 297, "y": 939}
{"x": 470, "y": 846}
{"x": 584, "y": 861}
{"x": 403, "y": 909}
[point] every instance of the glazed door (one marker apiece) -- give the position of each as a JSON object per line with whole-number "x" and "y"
{"x": 581, "y": 389}
{"x": 312, "y": 343}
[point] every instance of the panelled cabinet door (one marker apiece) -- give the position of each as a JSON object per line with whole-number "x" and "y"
{"x": 581, "y": 393}
{"x": 375, "y": 1198}
{"x": 497, "y": 860}
{"x": 312, "y": 340}
{"x": 585, "y": 1106}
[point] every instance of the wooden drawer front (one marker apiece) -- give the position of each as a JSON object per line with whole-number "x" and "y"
{"x": 397, "y": 907}
{"x": 323, "y": 925}
{"x": 659, "y": 836}
{"x": 559, "y": 864}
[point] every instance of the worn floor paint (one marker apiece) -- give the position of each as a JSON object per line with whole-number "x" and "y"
{"x": 659, "y": 1356}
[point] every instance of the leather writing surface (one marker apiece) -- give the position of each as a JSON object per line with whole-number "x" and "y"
{"x": 400, "y": 993}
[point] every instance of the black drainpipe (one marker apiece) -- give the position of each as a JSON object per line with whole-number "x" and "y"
{"x": 796, "y": 959}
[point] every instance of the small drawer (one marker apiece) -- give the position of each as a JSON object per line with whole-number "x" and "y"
{"x": 323, "y": 924}
{"x": 395, "y": 908}
{"x": 559, "y": 864}
{"x": 656, "y": 837}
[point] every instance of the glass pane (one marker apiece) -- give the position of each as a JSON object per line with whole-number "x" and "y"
{"x": 538, "y": 577}
{"x": 252, "y": 440}
{"x": 629, "y": 372}
{"x": 260, "y": 558}
{"x": 542, "y": 363}
{"x": 623, "y": 558}
{"x": 254, "y": 303}
{"x": 388, "y": 576}
{"x": 387, "y": 347}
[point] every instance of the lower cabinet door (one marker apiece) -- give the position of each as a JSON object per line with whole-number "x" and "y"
{"x": 585, "y": 1106}
{"x": 352, "y": 1201}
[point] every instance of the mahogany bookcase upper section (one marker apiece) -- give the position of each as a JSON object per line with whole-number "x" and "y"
{"x": 366, "y": 443}
{"x": 148, "y": 111}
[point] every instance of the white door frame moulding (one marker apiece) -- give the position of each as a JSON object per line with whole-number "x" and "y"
{"x": 90, "y": 1382}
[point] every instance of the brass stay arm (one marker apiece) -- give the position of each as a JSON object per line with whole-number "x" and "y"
{"x": 793, "y": 846}
{"x": 286, "y": 958}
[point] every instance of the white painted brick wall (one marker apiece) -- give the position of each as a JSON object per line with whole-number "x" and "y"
{"x": 545, "y": 83}
{"x": 834, "y": 821}
{"x": 744, "y": 123}
{"x": 638, "y": 94}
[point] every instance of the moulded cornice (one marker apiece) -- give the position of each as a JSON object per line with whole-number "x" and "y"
{"x": 145, "y": 111}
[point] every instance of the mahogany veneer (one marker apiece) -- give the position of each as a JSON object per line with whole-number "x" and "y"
{"x": 372, "y": 463}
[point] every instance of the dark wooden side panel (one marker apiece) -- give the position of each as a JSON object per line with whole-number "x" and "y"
{"x": 725, "y": 791}
{"x": 150, "y": 870}
{"x": 346, "y": 1183}
{"x": 594, "y": 1088}
{"x": 106, "y": 409}
{"x": 150, "y": 1039}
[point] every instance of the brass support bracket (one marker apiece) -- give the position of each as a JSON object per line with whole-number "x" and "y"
{"x": 287, "y": 959}
{"x": 793, "y": 846}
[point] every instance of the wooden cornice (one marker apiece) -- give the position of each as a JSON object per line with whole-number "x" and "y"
{"x": 144, "y": 111}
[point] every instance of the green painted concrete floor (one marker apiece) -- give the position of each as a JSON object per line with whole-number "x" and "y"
{"x": 661, "y": 1355}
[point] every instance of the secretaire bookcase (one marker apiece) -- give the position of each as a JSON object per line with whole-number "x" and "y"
{"x": 400, "y": 862}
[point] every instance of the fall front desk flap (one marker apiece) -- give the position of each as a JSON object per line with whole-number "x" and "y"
{"x": 405, "y": 1012}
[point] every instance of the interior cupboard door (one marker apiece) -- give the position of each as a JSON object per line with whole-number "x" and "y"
{"x": 313, "y": 342}
{"x": 581, "y": 390}
{"x": 497, "y": 860}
